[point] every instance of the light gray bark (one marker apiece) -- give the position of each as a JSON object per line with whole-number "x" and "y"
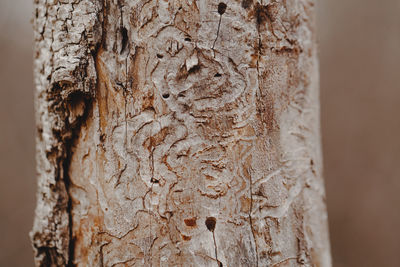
{"x": 178, "y": 133}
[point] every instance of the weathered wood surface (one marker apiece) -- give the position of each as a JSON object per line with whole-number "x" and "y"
{"x": 178, "y": 133}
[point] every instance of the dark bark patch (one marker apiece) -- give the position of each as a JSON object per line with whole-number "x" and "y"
{"x": 192, "y": 222}
{"x": 76, "y": 104}
{"x": 183, "y": 73}
{"x": 247, "y": 3}
{"x": 186, "y": 238}
{"x": 261, "y": 13}
{"x": 194, "y": 69}
{"x": 50, "y": 256}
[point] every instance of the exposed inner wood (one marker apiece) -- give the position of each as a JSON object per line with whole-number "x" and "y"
{"x": 162, "y": 145}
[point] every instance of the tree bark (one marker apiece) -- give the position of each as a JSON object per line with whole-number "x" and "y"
{"x": 178, "y": 133}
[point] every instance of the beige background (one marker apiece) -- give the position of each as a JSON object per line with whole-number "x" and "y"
{"x": 360, "y": 99}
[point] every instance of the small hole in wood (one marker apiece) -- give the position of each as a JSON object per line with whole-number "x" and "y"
{"x": 221, "y": 8}
{"x": 210, "y": 223}
{"x": 102, "y": 138}
{"x": 125, "y": 39}
{"x": 194, "y": 69}
{"x": 154, "y": 181}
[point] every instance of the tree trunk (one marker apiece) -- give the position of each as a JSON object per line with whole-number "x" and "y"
{"x": 178, "y": 133}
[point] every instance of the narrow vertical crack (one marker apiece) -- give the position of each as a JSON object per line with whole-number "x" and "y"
{"x": 210, "y": 224}
{"x": 250, "y": 218}
{"x": 216, "y": 250}
{"x": 221, "y": 10}
{"x": 259, "y": 79}
{"x": 126, "y": 101}
{"x": 125, "y": 49}
{"x": 259, "y": 44}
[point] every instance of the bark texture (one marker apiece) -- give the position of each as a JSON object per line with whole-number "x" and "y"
{"x": 178, "y": 133}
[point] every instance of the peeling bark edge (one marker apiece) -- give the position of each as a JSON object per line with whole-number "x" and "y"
{"x": 63, "y": 254}
{"x": 65, "y": 89}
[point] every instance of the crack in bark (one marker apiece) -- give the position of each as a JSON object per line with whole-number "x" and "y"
{"x": 125, "y": 48}
{"x": 216, "y": 250}
{"x": 283, "y": 261}
{"x": 250, "y": 217}
{"x": 219, "y": 24}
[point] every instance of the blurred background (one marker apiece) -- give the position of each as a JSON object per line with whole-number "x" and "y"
{"x": 360, "y": 100}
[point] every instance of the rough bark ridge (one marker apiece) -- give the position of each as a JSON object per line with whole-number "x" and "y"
{"x": 178, "y": 133}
